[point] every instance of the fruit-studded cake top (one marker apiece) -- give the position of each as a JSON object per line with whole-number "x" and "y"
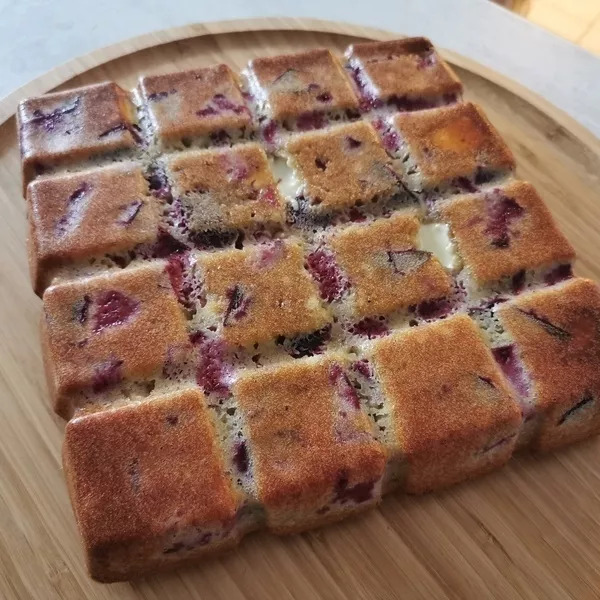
{"x": 308, "y": 281}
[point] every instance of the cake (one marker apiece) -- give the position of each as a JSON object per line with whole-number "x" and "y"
{"x": 405, "y": 74}
{"x": 311, "y": 449}
{"x": 205, "y": 106}
{"x": 67, "y": 128}
{"x": 271, "y": 298}
{"x": 555, "y": 335}
{"x": 456, "y": 419}
{"x": 455, "y": 147}
{"x": 101, "y": 215}
{"x": 299, "y": 91}
{"x": 156, "y": 468}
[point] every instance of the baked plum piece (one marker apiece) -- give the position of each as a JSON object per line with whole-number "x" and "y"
{"x": 452, "y": 421}
{"x": 262, "y": 292}
{"x": 201, "y": 104}
{"x": 102, "y": 331}
{"x": 454, "y": 148}
{"x": 406, "y": 74}
{"x": 556, "y": 338}
{"x": 148, "y": 486}
{"x": 80, "y": 218}
{"x": 313, "y": 455}
{"x": 70, "y": 127}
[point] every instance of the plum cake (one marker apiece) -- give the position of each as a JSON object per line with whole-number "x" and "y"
{"x": 300, "y": 91}
{"x": 405, "y": 74}
{"x": 102, "y": 215}
{"x": 451, "y": 148}
{"x": 99, "y": 331}
{"x": 220, "y": 192}
{"x": 271, "y": 297}
{"x": 156, "y": 468}
{"x": 456, "y": 420}
{"x": 69, "y": 128}
{"x": 312, "y": 451}
{"x": 202, "y": 105}
{"x": 552, "y": 358}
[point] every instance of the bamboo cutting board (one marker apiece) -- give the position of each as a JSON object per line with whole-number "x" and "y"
{"x": 531, "y": 530}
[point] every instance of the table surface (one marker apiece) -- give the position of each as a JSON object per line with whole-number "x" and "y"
{"x": 36, "y": 35}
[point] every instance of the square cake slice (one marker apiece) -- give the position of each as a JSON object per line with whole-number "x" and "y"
{"x": 86, "y": 216}
{"x": 452, "y": 413}
{"x": 221, "y": 191}
{"x": 556, "y": 335}
{"x": 505, "y": 230}
{"x": 386, "y": 271}
{"x": 408, "y": 74}
{"x": 300, "y": 87}
{"x": 69, "y": 127}
{"x": 148, "y": 486}
{"x": 262, "y": 292}
{"x": 342, "y": 166}
{"x": 311, "y": 449}
{"x": 450, "y": 147}
{"x": 99, "y": 331}
{"x": 205, "y": 103}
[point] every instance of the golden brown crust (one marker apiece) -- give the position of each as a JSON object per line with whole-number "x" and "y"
{"x": 408, "y": 68}
{"x": 100, "y": 330}
{"x": 139, "y": 474}
{"x": 385, "y": 269}
{"x": 71, "y": 126}
{"x": 193, "y": 103}
{"x": 343, "y": 166}
{"x": 310, "y": 444}
{"x": 503, "y": 231}
{"x": 557, "y": 334}
{"x": 229, "y": 188}
{"x": 304, "y": 82}
{"x": 262, "y": 292}
{"x": 88, "y": 214}
{"x": 449, "y": 402}
{"x": 451, "y": 142}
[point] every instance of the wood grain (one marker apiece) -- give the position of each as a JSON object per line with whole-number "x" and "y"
{"x": 531, "y": 530}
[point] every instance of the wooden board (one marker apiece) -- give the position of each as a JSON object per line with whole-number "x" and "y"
{"x": 531, "y": 530}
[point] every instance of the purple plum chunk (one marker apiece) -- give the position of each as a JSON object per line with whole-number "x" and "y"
{"x": 113, "y": 308}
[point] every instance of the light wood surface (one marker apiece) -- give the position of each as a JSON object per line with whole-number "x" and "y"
{"x": 577, "y": 21}
{"x": 531, "y": 530}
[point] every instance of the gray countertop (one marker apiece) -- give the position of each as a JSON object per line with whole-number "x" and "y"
{"x": 36, "y": 35}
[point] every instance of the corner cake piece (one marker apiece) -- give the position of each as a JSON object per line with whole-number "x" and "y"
{"x": 385, "y": 269}
{"x": 221, "y": 191}
{"x": 300, "y": 86}
{"x": 556, "y": 334}
{"x": 199, "y": 103}
{"x": 342, "y": 167}
{"x": 87, "y": 215}
{"x": 454, "y": 420}
{"x": 69, "y": 127}
{"x": 259, "y": 293}
{"x": 408, "y": 74}
{"x": 504, "y": 231}
{"x": 148, "y": 486}
{"x": 454, "y": 146}
{"x": 101, "y": 330}
{"x": 311, "y": 449}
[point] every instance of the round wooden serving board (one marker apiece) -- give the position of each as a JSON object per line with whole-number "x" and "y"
{"x": 531, "y": 530}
